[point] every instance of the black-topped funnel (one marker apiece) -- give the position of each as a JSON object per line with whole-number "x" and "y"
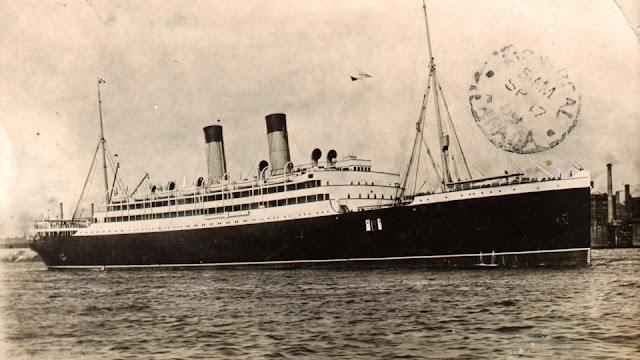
{"x": 278, "y": 139}
{"x": 216, "y": 163}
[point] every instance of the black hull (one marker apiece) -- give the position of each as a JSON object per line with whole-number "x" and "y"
{"x": 543, "y": 228}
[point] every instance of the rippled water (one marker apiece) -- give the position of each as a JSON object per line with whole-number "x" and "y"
{"x": 490, "y": 313}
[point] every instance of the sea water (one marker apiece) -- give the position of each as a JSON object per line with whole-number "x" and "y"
{"x": 580, "y": 313}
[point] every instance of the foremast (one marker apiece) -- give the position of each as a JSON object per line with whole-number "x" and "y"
{"x": 102, "y": 143}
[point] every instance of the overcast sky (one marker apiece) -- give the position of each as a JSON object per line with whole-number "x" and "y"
{"x": 173, "y": 67}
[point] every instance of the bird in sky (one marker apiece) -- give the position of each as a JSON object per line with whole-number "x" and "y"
{"x": 361, "y": 75}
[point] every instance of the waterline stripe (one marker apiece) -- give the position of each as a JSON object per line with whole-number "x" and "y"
{"x": 286, "y": 262}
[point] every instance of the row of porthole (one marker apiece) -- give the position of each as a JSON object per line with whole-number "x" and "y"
{"x": 481, "y": 193}
{"x": 491, "y": 192}
{"x": 375, "y": 196}
{"x": 210, "y": 224}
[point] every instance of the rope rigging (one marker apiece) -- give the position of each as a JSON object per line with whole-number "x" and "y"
{"x": 87, "y": 181}
{"x": 456, "y": 141}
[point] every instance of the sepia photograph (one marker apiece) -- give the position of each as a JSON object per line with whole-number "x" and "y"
{"x": 338, "y": 179}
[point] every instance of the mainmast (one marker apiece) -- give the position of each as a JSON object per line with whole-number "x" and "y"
{"x": 102, "y": 142}
{"x": 444, "y": 139}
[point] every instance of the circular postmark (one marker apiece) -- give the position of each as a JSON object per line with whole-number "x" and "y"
{"x": 522, "y": 103}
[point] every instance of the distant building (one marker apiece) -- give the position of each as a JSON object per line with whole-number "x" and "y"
{"x": 599, "y": 210}
{"x": 624, "y": 229}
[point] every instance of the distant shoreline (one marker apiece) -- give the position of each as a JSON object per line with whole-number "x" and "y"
{"x": 14, "y": 243}
{"x": 24, "y": 245}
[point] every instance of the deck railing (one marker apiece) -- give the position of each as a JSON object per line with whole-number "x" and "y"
{"x": 48, "y": 224}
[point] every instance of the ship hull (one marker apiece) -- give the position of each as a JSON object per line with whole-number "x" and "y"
{"x": 529, "y": 229}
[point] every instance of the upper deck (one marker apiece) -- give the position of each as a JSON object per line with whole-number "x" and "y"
{"x": 300, "y": 186}
{"x": 48, "y": 227}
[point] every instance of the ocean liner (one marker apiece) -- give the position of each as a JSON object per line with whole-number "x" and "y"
{"x": 330, "y": 213}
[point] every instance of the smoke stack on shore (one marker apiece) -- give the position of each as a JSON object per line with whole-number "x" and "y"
{"x": 610, "y": 205}
{"x": 216, "y": 163}
{"x": 627, "y": 202}
{"x": 278, "y": 139}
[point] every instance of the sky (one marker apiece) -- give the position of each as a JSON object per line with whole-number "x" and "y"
{"x": 173, "y": 67}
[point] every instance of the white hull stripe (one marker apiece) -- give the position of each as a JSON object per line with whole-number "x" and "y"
{"x": 290, "y": 262}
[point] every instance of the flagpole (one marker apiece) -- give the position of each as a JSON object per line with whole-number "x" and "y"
{"x": 426, "y": 24}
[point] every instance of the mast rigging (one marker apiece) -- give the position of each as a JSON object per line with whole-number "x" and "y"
{"x": 445, "y": 132}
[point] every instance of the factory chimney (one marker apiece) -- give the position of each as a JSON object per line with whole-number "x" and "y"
{"x": 278, "y": 139}
{"x": 61, "y": 212}
{"x": 216, "y": 163}
{"x": 610, "y": 205}
{"x": 627, "y": 202}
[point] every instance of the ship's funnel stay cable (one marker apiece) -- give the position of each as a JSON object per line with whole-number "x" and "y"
{"x": 300, "y": 153}
{"x": 255, "y": 160}
{"x": 199, "y": 162}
